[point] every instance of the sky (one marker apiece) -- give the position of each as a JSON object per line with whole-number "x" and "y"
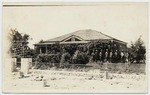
{"x": 124, "y": 21}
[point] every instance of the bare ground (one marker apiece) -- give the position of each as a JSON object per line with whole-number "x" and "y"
{"x": 77, "y": 81}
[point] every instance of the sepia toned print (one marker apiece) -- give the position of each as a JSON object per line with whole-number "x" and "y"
{"x": 75, "y": 47}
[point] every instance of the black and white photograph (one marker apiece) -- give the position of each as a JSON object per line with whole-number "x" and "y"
{"x": 74, "y": 47}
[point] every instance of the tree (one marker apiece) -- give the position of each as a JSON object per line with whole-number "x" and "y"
{"x": 19, "y": 44}
{"x": 138, "y": 50}
{"x": 41, "y": 41}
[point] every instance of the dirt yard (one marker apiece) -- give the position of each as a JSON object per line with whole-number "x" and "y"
{"x": 77, "y": 81}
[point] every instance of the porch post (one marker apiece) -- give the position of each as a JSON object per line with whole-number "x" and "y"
{"x": 40, "y": 50}
{"x": 46, "y": 49}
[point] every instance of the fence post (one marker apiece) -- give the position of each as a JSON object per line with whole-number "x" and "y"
{"x": 44, "y": 82}
{"x": 106, "y": 72}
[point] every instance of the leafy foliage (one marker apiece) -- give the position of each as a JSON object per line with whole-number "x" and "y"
{"x": 19, "y": 44}
{"x": 41, "y": 41}
{"x": 138, "y": 50}
{"x": 43, "y": 61}
{"x": 82, "y": 58}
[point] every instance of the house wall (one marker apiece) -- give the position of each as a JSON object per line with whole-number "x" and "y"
{"x": 54, "y": 48}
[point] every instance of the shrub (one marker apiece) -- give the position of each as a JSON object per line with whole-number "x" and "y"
{"x": 82, "y": 58}
{"x": 44, "y": 60}
{"x": 51, "y": 58}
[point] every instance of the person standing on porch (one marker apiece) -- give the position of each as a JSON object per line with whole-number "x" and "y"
{"x": 100, "y": 58}
{"x": 122, "y": 56}
{"x": 92, "y": 56}
{"x": 127, "y": 63}
{"x": 116, "y": 56}
{"x": 110, "y": 56}
{"x": 126, "y": 57}
{"x": 106, "y": 55}
{"x": 96, "y": 56}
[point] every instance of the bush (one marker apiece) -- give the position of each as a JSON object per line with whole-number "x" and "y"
{"x": 82, "y": 58}
{"x": 45, "y": 60}
{"x": 51, "y": 58}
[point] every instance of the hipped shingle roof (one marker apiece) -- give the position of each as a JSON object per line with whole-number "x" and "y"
{"x": 87, "y": 34}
